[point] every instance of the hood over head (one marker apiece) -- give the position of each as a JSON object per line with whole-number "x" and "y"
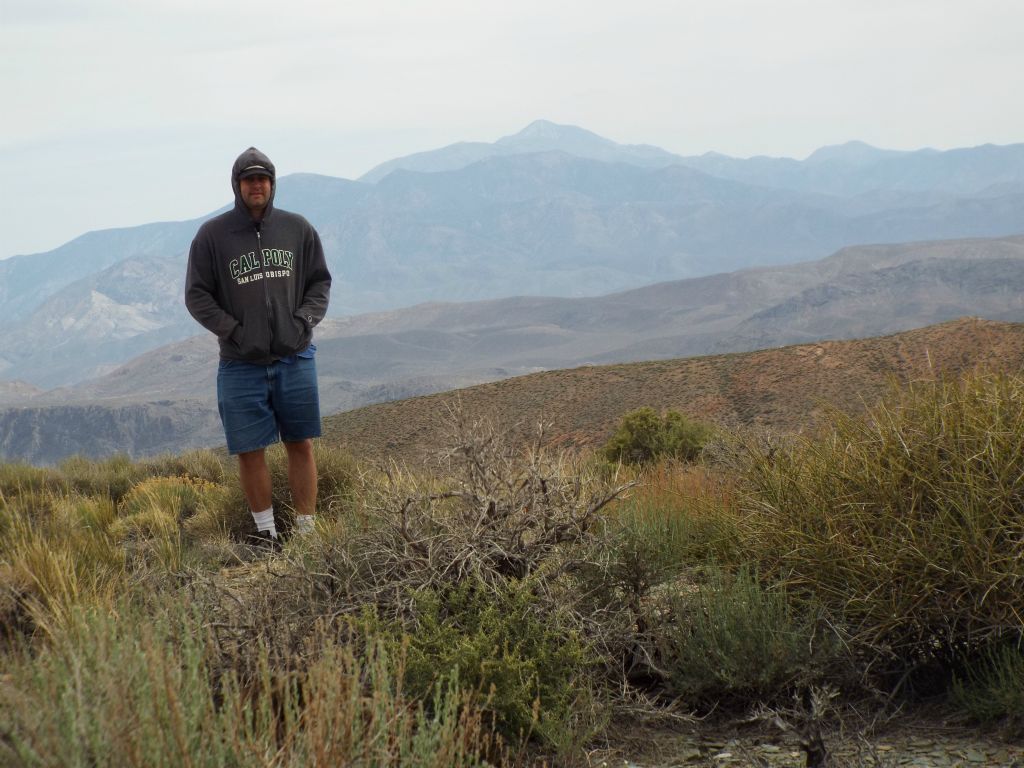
{"x": 250, "y": 163}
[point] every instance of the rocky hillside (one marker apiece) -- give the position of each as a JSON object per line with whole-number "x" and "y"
{"x": 783, "y": 390}
{"x": 47, "y": 434}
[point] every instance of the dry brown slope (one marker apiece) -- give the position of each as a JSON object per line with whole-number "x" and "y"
{"x": 783, "y": 389}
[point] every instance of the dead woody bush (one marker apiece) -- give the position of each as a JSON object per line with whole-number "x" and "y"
{"x": 498, "y": 511}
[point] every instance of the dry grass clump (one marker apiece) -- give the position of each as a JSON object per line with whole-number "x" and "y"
{"x": 83, "y": 532}
{"x": 54, "y": 557}
{"x": 905, "y": 523}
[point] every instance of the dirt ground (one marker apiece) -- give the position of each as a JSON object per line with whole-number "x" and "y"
{"x": 905, "y": 742}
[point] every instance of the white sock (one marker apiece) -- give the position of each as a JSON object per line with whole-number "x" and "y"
{"x": 304, "y": 524}
{"x": 265, "y": 521}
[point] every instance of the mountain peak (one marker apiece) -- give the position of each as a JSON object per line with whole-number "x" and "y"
{"x": 549, "y": 135}
{"x": 850, "y": 153}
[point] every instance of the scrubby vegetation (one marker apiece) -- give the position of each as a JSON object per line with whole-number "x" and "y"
{"x": 643, "y": 437}
{"x": 508, "y": 605}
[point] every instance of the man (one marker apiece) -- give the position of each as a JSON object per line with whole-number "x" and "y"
{"x": 257, "y": 278}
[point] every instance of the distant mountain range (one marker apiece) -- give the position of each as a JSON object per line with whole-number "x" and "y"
{"x": 857, "y": 292}
{"x": 845, "y": 170}
{"x": 550, "y": 211}
{"x": 539, "y": 136}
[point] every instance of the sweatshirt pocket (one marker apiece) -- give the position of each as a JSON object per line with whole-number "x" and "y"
{"x": 292, "y": 336}
{"x": 248, "y": 347}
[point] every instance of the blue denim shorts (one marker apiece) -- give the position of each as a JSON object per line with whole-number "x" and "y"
{"x": 260, "y": 404}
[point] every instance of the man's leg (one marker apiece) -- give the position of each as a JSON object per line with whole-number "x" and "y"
{"x": 254, "y": 477}
{"x": 302, "y": 481}
{"x": 243, "y": 399}
{"x": 297, "y": 407}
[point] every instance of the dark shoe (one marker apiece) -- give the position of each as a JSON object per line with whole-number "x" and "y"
{"x": 263, "y": 542}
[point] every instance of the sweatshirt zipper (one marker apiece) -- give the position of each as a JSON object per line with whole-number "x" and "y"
{"x": 266, "y": 287}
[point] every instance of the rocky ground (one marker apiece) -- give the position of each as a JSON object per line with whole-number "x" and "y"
{"x": 918, "y": 743}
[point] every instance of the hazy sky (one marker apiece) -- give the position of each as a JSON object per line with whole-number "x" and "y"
{"x": 122, "y": 112}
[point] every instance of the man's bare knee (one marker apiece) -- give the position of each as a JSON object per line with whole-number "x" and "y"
{"x": 252, "y": 459}
{"x": 299, "y": 449}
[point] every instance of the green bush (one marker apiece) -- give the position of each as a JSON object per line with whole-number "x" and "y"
{"x": 536, "y": 678}
{"x": 653, "y": 539}
{"x": 992, "y": 690}
{"x": 643, "y": 437}
{"x": 733, "y": 640}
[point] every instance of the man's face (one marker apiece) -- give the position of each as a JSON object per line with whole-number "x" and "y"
{"x": 255, "y": 192}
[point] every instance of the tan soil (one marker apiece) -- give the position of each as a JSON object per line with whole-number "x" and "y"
{"x": 907, "y": 743}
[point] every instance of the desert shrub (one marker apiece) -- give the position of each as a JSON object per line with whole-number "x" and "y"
{"x": 647, "y": 546}
{"x": 363, "y": 716}
{"x": 499, "y": 512}
{"x": 905, "y": 522}
{"x": 677, "y": 517}
{"x": 730, "y": 639}
{"x": 141, "y": 690}
{"x": 537, "y": 677}
{"x": 643, "y": 437}
{"x": 991, "y": 689}
{"x": 472, "y": 565}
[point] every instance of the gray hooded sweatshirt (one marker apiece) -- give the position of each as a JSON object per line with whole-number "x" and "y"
{"x": 260, "y": 286}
